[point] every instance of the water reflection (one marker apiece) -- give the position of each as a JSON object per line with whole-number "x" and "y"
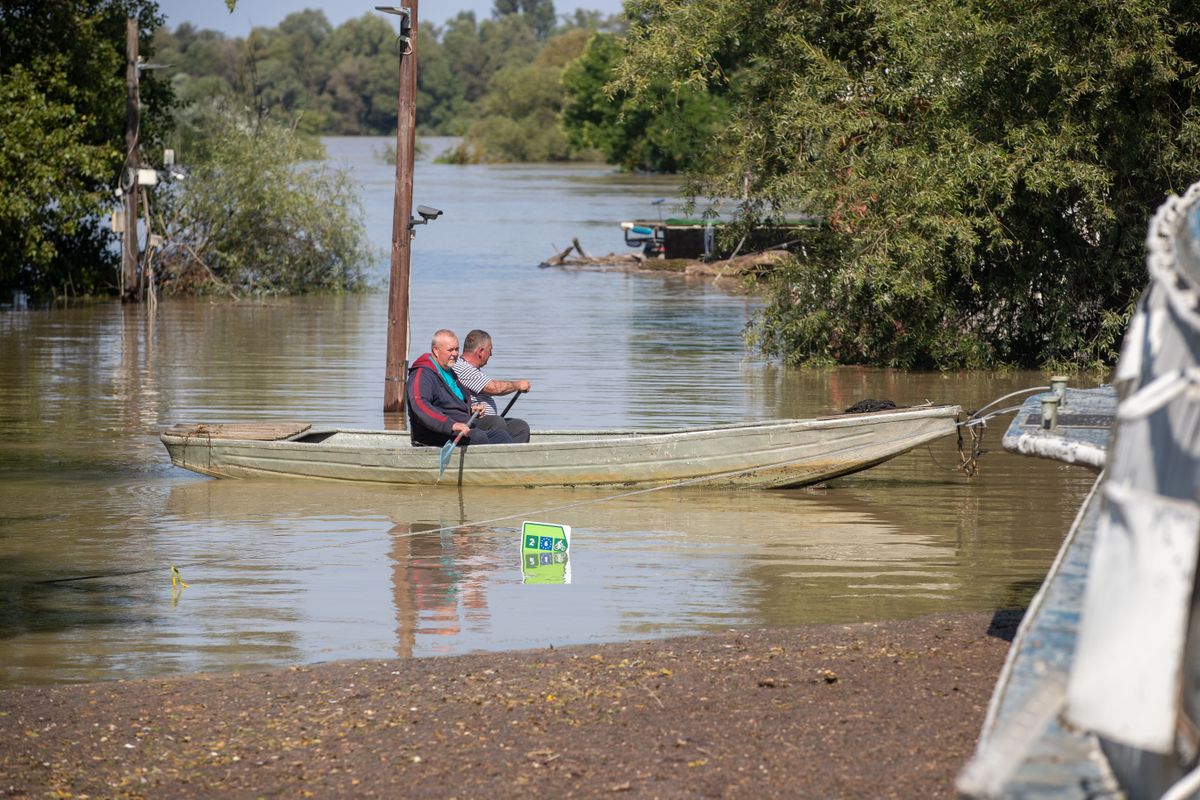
{"x": 643, "y": 565}
{"x": 285, "y": 573}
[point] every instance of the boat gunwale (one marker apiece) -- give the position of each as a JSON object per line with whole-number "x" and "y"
{"x": 601, "y": 437}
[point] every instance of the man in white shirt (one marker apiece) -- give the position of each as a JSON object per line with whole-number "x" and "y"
{"x": 477, "y": 349}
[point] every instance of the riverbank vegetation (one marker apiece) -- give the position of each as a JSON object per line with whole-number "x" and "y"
{"x": 260, "y": 211}
{"x": 524, "y": 84}
{"x": 986, "y": 171}
{"x": 62, "y": 124}
{"x": 252, "y": 210}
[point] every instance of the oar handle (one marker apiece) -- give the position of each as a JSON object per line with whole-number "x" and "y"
{"x": 504, "y": 413}
{"x": 470, "y": 420}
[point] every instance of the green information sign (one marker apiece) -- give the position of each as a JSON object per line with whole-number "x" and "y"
{"x": 545, "y": 549}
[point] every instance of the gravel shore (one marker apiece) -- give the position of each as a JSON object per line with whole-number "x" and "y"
{"x": 866, "y": 710}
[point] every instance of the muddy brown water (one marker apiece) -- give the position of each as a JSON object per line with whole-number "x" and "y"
{"x": 284, "y": 572}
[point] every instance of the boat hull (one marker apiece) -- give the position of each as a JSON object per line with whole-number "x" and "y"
{"x": 763, "y": 455}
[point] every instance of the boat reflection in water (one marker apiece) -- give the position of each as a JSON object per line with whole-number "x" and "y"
{"x": 643, "y": 565}
{"x": 284, "y": 571}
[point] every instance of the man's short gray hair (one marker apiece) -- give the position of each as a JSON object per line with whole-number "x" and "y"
{"x": 475, "y": 340}
{"x": 443, "y": 332}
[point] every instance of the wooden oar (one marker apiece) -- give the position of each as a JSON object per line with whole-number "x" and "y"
{"x": 449, "y": 446}
{"x": 504, "y": 413}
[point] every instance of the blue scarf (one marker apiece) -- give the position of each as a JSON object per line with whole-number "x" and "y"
{"x": 450, "y": 381}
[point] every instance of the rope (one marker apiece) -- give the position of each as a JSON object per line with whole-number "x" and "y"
{"x": 938, "y": 464}
{"x": 972, "y": 422}
{"x": 1005, "y": 397}
{"x": 969, "y": 465}
{"x": 100, "y": 575}
{"x": 976, "y": 425}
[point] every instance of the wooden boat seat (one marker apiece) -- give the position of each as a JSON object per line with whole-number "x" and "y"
{"x": 254, "y": 431}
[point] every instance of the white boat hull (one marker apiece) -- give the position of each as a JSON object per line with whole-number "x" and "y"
{"x": 764, "y": 455}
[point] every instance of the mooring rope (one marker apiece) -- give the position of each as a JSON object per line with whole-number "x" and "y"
{"x": 976, "y": 425}
{"x": 1030, "y": 390}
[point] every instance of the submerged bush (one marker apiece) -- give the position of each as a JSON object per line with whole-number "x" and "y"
{"x": 255, "y": 213}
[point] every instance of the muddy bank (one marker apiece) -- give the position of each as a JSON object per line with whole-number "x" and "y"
{"x": 878, "y": 710}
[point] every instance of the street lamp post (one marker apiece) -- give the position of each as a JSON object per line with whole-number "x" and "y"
{"x": 396, "y": 370}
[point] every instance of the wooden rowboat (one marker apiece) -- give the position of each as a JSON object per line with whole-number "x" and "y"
{"x": 775, "y": 454}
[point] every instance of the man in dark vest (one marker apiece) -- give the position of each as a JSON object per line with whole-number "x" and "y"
{"x": 438, "y": 406}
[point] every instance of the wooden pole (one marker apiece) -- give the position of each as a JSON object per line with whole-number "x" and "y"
{"x": 147, "y": 278}
{"x": 130, "y": 285}
{"x": 406, "y": 139}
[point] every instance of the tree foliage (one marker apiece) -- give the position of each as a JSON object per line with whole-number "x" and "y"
{"x": 256, "y": 213}
{"x": 538, "y": 14}
{"x": 495, "y": 81}
{"x": 342, "y": 80}
{"x": 470, "y": 54}
{"x": 50, "y": 194}
{"x": 328, "y": 80}
{"x": 985, "y": 170}
{"x": 664, "y": 129}
{"x": 62, "y": 122}
{"x": 519, "y": 112}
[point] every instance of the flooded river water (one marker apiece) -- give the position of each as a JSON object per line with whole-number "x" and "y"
{"x": 291, "y": 572}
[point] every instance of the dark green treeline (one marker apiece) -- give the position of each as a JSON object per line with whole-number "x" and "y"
{"x": 524, "y": 84}
{"x": 984, "y": 172}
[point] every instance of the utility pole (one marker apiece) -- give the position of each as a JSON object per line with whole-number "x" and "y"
{"x": 131, "y": 286}
{"x": 396, "y": 371}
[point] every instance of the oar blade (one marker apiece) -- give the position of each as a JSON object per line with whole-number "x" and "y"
{"x": 449, "y": 446}
{"x": 444, "y": 458}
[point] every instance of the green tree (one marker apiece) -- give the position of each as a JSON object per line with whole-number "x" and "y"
{"x": 595, "y": 21}
{"x": 439, "y": 96}
{"x": 470, "y": 55}
{"x": 538, "y": 14}
{"x": 319, "y": 78}
{"x": 520, "y": 111}
{"x": 986, "y": 169}
{"x": 664, "y": 129}
{"x": 468, "y": 60}
{"x": 258, "y": 213}
{"x": 51, "y": 191}
{"x": 62, "y": 123}
{"x": 343, "y": 79}
{"x": 361, "y": 82}
{"x": 291, "y": 68}
{"x": 196, "y": 55}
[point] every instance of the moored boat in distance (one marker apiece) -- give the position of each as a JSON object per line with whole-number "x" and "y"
{"x": 696, "y": 238}
{"x": 765, "y": 455}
